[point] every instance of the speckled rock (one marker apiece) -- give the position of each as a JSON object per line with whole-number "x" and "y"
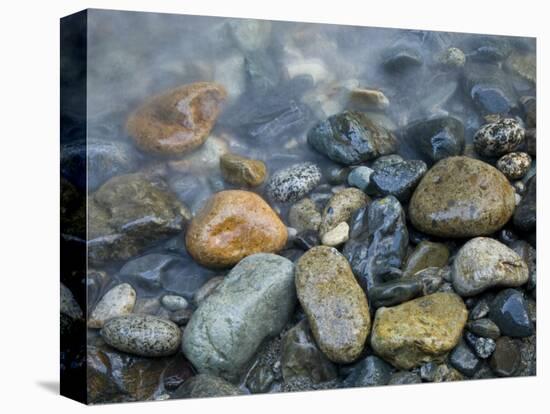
{"x": 142, "y": 335}
{"x": 118, "y": 301}
{"x": 334, "y": 303}
{"x": 514, "y": 165}
{"x": 254, "y": 302}
{"x": 499, "y": 138}
{"x": 359, "y": 177}
{"x": 453, "y": 57}
{"x": 337, "y": 236}
{"x": 340, "y": 208}
{"x": 420, "y": 330}
{"x": 483, "y": 263}
{"x": 398, "y": 179}
{"x": 483, "y": 347}
{"x": 242, "y": 171}
{"x": 294, "y": 182}
{"x": 525, "y": 216}
{"x": 178, "y": 120}
{"x": 350, "y": 138}
{"x": 304, "y": 215}
{"x": 232, "y": 225}
{"x": 509, "y": 311}
{"x": 205, "y": 386}
{"x": 127, "y": 214}
{"x": 426, "y": 254}
{"x": 506, "y": 359}
{"x": 462, "y": 197}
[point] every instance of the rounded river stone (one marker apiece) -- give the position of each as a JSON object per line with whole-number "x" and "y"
{"x": 118, "y": 301}
{"x": 253, "y": 303}
{"x": 294, "y": 182}
{"x": 242, "y": 171}
{"x": 418, "y": 331}
{"x": 462, "y": 197}
{"x": 483, "y": 263}
{"x": 234, "y": 224}
{"x": 334, "y": 303}
{"x": 340, "y": 207}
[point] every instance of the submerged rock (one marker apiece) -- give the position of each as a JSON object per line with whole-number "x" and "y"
{"x": 398, "y": 179}
{"x": 426, "y": 254}
{"x": 462, "y": 197}
{"x": 118, "y": 301}
{"x": 525, "y": 216}
{"x": 340, "y": 207}
{"x": 294, "y": 182}
{"x": 205, "y": 386}
{"x": 242, "y": 171}
{"x": 304, "y": 215}
{"x": 499, "y": 138}
{"x": 232, "y": 225}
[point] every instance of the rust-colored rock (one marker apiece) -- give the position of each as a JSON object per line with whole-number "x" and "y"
{"x": 178, "y": 120}
{"x": 234, "y": 224}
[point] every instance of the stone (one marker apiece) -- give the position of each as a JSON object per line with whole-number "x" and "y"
{"x": 181, "y": 316}
{"x": 499, "y": 138}
{"x": 386, "y": 160}
{"x": 253, "y": 303}
{"x": 398, "y": 179}
{"x": 118, "y": 301}
{"x": 394, "y": 292}
{"x": 431, "y": 278}
{"x": 370, "y": 371}
{"x": 484, "y": 327}
{"x": 207, "y": 289}
{"x": 506, "y": 359}
{"x": 525, "y": 216}
{"x": 174, "y": 302}
{"x": 303, "y": 215}
{"x": 436, "y": 138}
{"x": 307, "y": 239}
{"x": 234, "y": 224}
{"x": 178, "y": 120}
{"x": 340, "y": 207}
{"x": 509, "y": 311}
{"x": 369, "y": 99}
{"x": 377, "y": 254}
{"x": 453, "y": 57}
{"x": 351, "y": 138}
{"x": 514, "y": 165}
{"x": 359, "y": 177}
{"x": 529, "y": 256}
{"x": 463, "y": 359}
{"x": 143, "y": 335}
{"x": 205, "y": 386}
{"x": 334, "y": 303}
{"x": 462, "y": 197}
{"x": 480, "y": 310}
{"x": 483, "y": 263}
{"x": 401, "y": 59}
{"x": 404, "y": 377}
{"x": 242, "y": 171}
{"x": 426, "y": 254}
{"x": 301, "y": 357}
{"x": 129, "y": 213}
{"x": 446, "y": 373}
{"x": 418, "y": 331}
{"x": 292, "y": 183}
{"x": 483, "y": 347}
{"x": 337, "y": 236}
{"x": 202, "y": 160}
{"x": 337, "y": 175}
{"x": 358, "y": 223}
{"x": 523, "y": 64}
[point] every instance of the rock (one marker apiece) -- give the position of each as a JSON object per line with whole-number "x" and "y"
{"x": 428, "y": 371}
{"x": 369, "y": 99}
{"x": 181, "y": 316}
{"x": 529, "y": 105}
{"x": 509, "y": 312}
{"x": 461, "y": 197}
{"x": 351, "y": 138}
{"x": 254, "y": 302}
{"x": 340, "y": 208}
{"x": 400, "y": 59}
{"x": 174, "y": 302}
{"x": 483, "y": 263}
{"x": 529, "y": 256}
{"x": 307, "y": 239}
{"x": 337, "y": 236}
{"x": 431, "y": 278}
{"x": 359, "y": 177}
{"x": 404, "y": 377}
{"x": 394, "y": 293}
{"x": 358, "y": 223}
{"x": 453, "y": 57}
{"x": 368, "y": 372}
{"x": 499, "y": 138}
{"x": 463, "y": 359}
{"x": 418, "y": 331}
{"x": 480, "y": 310}
{"x": 525, "y": 216}
{"x": 242, "y": 171}
{"x": 506, "y": 359}
{"x": 205, "y": 386}
{"x": 523, "y": 64}
{"x": 118, "y": 301}
{"x": 335, "y": 305}
{"x": 385, "y": 160}
{"x": 69, "y": 306}
{"x": 426, "y": 254}
{"x": 377, "y": 254}
{"x": 304, "y": 215}
{"x": 294, "y": 182}
{"x": 178, "y": 120}
{"x": 514, "y": 165}
{"x": 300, "y": 356}
{"x": 142, "y": 335}
{"x": 207, "y": 289}
{"x": 483, "y": 347}
{"x": 202, "y": 160}
{"x": 398, "y": 179}
{"x": 445, "y": 373}
{"x": 484, "y": 327}
{"x": 232, "y": 225}
{"x": 127, "y": 214}
{"x": 337, "y": 175}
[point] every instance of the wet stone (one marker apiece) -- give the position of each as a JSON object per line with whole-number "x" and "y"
{"x": 303, "y": 215}
{"x": 463, "y": 359}
{"x": 307, "y": 240}
{"x": 181, "y": 316}
{"x": 118, "y": 301}
{"x": 394, "y": 293}
{"x": 431, "y": 278}
{"x": 506, "y": 359}
{"x": 337, "y": 175}
{"x": 525, "y": 216}
{"x": 529, "y": 256}
{"x": 359, "y": 177}
{"x": 292, "y": 183}
{"x": 484, "y": 327}
{"x": 204, "y": 386}
{"x": 368, "y": 372}
{"x": 514, "y": 165}
{"x": 426, "y": 254}
{"x": 499, "y": 138}
{"x": 483, "y": 347}
{"x": 242, "y": 171}
{"x": 480, "y": 310}
{"x": 398, "y": 179}
{"x": 509, "y": 312}
{"x": 174, "y": 303}
{"x": 340, "y": 207}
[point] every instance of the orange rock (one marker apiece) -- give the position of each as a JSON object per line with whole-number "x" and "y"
{"x": 177, "y": 121}
{"x": 234, "y": 224}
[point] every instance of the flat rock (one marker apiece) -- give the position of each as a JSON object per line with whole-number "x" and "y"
{"x": 506, "y": 359}
{"x": 464, "y": 360}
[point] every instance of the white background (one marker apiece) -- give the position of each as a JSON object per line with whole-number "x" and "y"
{"x": 29, "y": 292}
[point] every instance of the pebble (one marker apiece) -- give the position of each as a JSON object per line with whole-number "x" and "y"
{"x": 307, "y": 239}
{"x": 369, "y": 99}
{"x": 431, "y": 278}
{"x": 426, "y": 254}
{"x": 464, "y": 360}
{"x": 499, "y": 138}
{"x": 337, "y": 175}
{"x": 142, "y": 335}
{"x": 292, "y": 183}
{"x": 118, "y": 301}
{"x": 386, "y": 160}
{"x": 394, "y": 293}
{"x": 420, "y": 330}
{"x": 359, "y": 177}
{"x": 337, "y": 236}
{"x": 506, "y": 359}
{"x": 483, "y": 263}
{"x": 398, "y": 179}
{"x": 340, "y": 207}
{"x": 177, "y": 121}
{"x": 204, "y": 386}
{"x": 514, "y": 165}
{"x": 525, "y": 216}
{"x": 488, "y": 87}
{"x": 232, "y": 225}
{"x": 303, "y": 215}
{"x": 242, "y": 171}
{"x": 181, "y": 317}
{"x": 484, "y": 327}
{"x": 509, "y": 311}
{"x": 462, "y": 197}
{"x": 68, "y": 304}
{"x": 253, "y": 303}
{"x": 174, "y": 303}
{"x": 400, "y": 59}
{"x": 335, "y": 305}
{"x": 370, "y": 371}
{"x": 483, "y": 347}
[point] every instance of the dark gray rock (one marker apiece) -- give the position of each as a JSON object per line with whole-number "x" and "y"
{"x": 205, "y": 385}
{"x": 509, "y": 311}
{"x": 360, "y": 177}
{"x": 386, "y": 160}
{"x": 337, "y": 175}
{"x": 307, "y": 239}
{"x": 506, "y": 359}
{"x": 369, "y": 372}
{"x": 428, "y": 371}
{"x": 404, "y": 377}
{"x": 480, "y": 310}
{"x": 484, "y": 327}
{"x": 395, "y": 292}
{"x": 483, "y": 347}
{"x": 292, "y": 183}
{"x": 358, "y": 222}
{"x": 181, "y": 317}
{"x": 464, "y": 360}
{"x": 525, "y": 215}
{"x": 398, "y": 179}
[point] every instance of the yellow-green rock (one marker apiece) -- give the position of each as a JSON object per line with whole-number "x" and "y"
{"x": 242, "y": 171}
{"x": 426, "y": 254}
